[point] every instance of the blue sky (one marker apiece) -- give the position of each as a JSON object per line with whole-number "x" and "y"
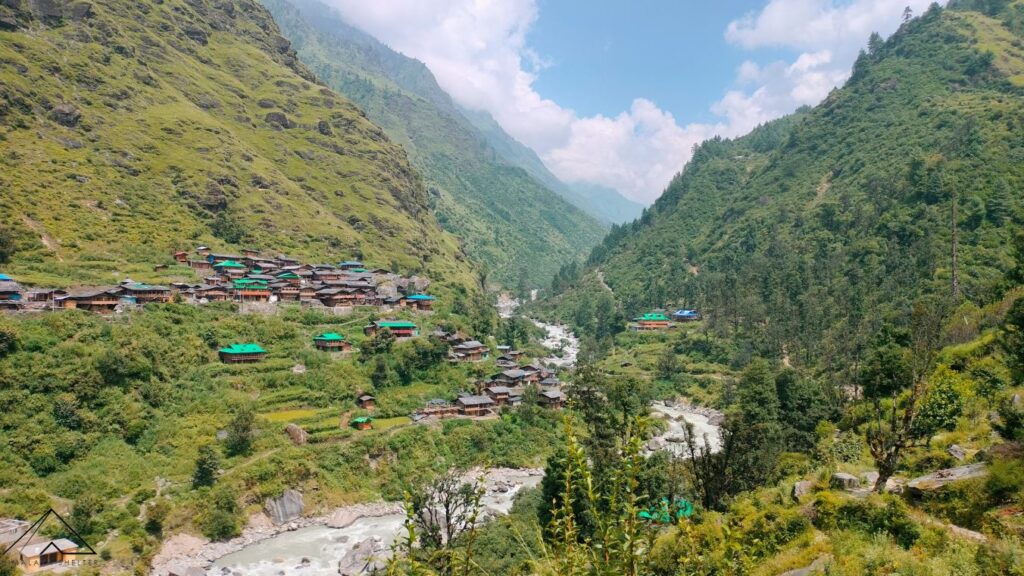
{"x": 617, "y": 93}
{"x": 602, "y": 54}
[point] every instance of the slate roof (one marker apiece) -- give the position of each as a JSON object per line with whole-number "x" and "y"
{"x": 476, "y": 401}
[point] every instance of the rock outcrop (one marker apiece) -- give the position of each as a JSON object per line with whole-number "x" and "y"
{"x": 284, "y": 508}
{"x": 938, "y": 480}
{"x": 844, "y": 481}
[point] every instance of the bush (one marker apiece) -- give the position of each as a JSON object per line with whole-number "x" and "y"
{"x": 877, "y": 514}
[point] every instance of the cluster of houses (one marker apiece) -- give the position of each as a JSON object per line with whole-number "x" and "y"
{"x": 506, "y": 388}
{"x": 662, "y": 320}
{"x": 246, "y": 277}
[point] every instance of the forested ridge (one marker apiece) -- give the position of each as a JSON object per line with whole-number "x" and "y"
{"x": 805, "y": 236}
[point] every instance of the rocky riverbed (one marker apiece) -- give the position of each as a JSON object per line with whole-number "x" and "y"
{"x": 344, "y": 541}
{"x": 705, "y": 422}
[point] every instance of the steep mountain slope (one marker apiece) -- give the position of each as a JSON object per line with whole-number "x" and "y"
{"x": 130, "y": 129}
{"x": 605, "y": 204}
{"x": 806, "y": 235}
{"x": 505, "y": 217}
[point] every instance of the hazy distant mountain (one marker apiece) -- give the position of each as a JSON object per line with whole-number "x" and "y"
{"x": 601, "y": 202}
{"x": 506, "y": 215}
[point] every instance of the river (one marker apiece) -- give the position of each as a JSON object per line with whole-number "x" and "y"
{"x": 344, "y": 541}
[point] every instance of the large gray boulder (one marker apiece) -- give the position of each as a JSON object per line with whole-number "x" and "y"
{"x": 844, "y": 481}
{"x": 66, "y": 114}
{"x": 802, "y": 488}
{"x": 297, "y": 434}
{"x": 938, "y": 480}
{"x": 366, "y": 557}
{"x": 284, "y": 508}
{"x": 957, "y": 452}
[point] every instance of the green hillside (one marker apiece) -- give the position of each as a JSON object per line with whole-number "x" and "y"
{"x": 505, "y": 217}
{"x": 129, "y": 130}
{"x": 805, "y": 236}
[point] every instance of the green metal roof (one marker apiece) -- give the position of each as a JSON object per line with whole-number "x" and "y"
{"x": 244, "y": 349}
{"x": 362, "y": 420}
{"x": 330, "y": 337}
{"x": 250, "y": 282}
{"x": 228, "y": 264}
{"x": 395, "y": 324}
{"x": 653, "y": 316}
{"x": 288, "y": 274}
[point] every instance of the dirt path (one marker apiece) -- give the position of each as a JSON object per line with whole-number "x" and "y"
{"x": 600, "y": 279}
{"x": 51, "y": 244}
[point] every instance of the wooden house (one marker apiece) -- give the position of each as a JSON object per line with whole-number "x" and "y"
{"x": 142, "y": 293}
{"x": 439, "y": 409}
{"x": 35, "y": 557}
{"x": 181, "y": 257}
{"x": 45, "y": 295}
{"x": 250, "y": 252}
{"x": 505, "y": 362}
{"x": 331, "y": 342}
{"x": 9, "y": 289}
{"x": 500, "y": 394}
{"x": 200, "y": 265}
{"x": 285, "y": 261}
{"x": 470, "y": 351}
{"x": 242, "y": 353}
{"x": 366, "y": 402}
{"x": 553, "y": 399}
{"x": 211, "y": 293}
{"x": 400, "y": 328}
{"x": 249, "y": 290}
{"x": 285, "y": 291}
{"x": 362, "y": 423}
{"x": 350, "y": 265}
{"x": 475, "y": 405}
{"x": 421, "y": 302}
{"x": 511, "y": 377}
{"x": 203, "y": 251}
{"x": 651, "y": 321}
{"x": 103, "y": 300}
{"x": 307, "y": 293}
{"x": 229, "y": 268}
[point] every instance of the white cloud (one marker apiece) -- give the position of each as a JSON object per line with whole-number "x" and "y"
{"x": 477, "y": 50}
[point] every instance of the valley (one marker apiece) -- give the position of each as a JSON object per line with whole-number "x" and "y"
{"x": 276, "y": 299}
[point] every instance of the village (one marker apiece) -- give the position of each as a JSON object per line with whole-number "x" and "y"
{"x": 395, "y": 305}
{"x": 245, "y": 278}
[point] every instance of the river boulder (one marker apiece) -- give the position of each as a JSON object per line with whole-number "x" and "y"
{"x": 285, "y": 508}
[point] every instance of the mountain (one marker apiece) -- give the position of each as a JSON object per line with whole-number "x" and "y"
{"x": 132, "y": 129}
{"x": 603, "y": 203}
{"x": 504, "y": 215}
{"x": 809, "y": 234}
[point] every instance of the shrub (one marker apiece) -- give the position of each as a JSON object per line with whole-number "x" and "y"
{"x": 877, "y": 514}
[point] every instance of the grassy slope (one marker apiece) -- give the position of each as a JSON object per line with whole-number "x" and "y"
{"x": 173, "y": 140}
{"x": 811, "y": 230}
{"x": 96, "y": 408}
{"x": 504, "y": 216}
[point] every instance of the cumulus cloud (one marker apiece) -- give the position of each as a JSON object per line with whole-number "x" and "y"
{"x": 477, "y": 49}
